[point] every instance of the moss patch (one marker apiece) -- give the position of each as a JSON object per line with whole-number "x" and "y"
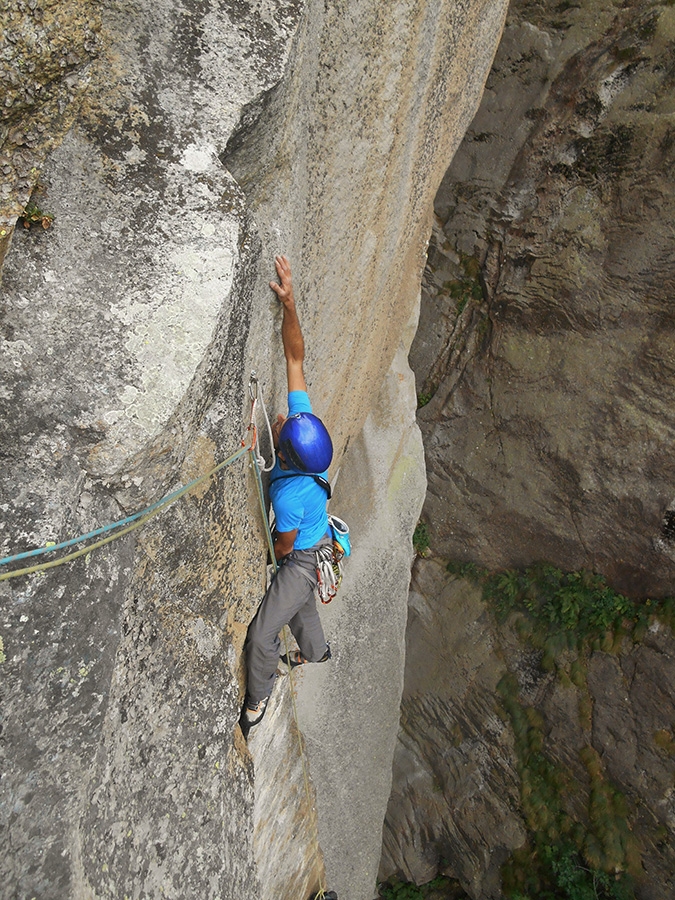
{"x": 565, "y": 610}
{"x": 565, "y": 857}
{"x": 468, "y": 287}
{"x": 441, "y": 888}
{"x": 421, "y": 539}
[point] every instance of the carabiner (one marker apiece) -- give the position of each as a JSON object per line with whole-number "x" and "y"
{"x": 253, "y": 386}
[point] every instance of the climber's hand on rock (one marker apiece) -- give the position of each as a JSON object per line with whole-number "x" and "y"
{"x": 284, "y": 291}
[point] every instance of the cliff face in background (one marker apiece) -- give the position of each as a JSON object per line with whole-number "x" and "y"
{"x": 550, "y": 428}
{"x": 466, "y": 798}
{"x": 545, "y": 355}
{"x": 178, "y": 147}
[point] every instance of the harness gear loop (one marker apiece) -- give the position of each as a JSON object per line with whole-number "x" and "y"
{"x": 328, "y": 571}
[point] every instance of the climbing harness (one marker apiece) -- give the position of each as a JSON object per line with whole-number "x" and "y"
{"x": 328, "y": 573}
{"x": 329, "y": 569}
{"x": 329, "y": 558}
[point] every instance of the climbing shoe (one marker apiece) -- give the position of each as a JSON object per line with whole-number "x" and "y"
{"x": 295, "y": 658}
{"x": 252, "y": 714}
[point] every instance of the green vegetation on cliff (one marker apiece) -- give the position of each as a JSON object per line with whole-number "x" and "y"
{"x": 566, "y": 857}
{"x": 580, "y": 844}
{"x": 467, "y": 287}
{"x": 440, "y": 888}
{"x": 421, "y": 539}
{"x": 559, "y": 611}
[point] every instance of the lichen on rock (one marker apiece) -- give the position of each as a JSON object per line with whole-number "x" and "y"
{"x": 46, "y": 49}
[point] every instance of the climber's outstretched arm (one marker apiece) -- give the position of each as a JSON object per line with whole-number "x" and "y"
{"x": 291, "y": 334}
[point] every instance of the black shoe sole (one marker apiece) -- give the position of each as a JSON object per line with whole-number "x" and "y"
{"x": 246, "y": 725}
{"x": 294, "y": 664}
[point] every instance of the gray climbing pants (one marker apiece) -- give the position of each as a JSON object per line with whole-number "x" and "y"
{"x": 289, "y": 601}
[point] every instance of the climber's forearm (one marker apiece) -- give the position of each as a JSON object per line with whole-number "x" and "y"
{"x": 291, "y": 333}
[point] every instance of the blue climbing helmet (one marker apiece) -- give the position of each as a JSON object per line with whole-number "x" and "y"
{"x": 305, "y": 443}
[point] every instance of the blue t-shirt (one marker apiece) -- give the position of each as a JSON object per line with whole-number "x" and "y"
{"x": 298, "y": 502}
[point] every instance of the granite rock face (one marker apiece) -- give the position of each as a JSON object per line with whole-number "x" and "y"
{"x": 124, "y": 330}
{"x": 46, "y": 51}
{"x": 544, "y": 358}
{"x": 455, "y": 788}
{"x": 192, "y": 143}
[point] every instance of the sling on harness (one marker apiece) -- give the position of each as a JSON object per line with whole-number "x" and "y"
{"x": 329, "y": 558}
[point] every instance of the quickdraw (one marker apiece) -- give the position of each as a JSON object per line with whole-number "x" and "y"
{"x": 328, "y": 571}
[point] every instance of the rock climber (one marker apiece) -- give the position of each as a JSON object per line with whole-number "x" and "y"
{"x": 304, "y": 451}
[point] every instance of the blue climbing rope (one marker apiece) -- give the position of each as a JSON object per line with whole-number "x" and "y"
{"x": 137, "y": 520}
{"x": 52, "y": 548}
{"x": 123, "y": 526}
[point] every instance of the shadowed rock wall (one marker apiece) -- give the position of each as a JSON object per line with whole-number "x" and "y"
{"x": 548, "y": 341}
{"x": 545, "y": 358}
{"x": 129, "y": 329}
{"x": 460, "y": 786}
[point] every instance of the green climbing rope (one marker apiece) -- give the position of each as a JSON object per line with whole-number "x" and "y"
{"x": 153, "y": 511}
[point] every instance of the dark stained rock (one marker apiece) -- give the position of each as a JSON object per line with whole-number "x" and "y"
{"x": 455, "y": 789}
{"x": 604, "y": 725}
